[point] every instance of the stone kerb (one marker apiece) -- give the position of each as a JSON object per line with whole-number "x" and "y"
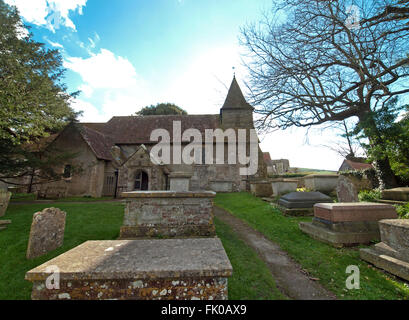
{"x": 167, "y": 269}
{"x": 168, "y": 214}
{"x": 392, "y": 254}
{"x": 347, "y": 224}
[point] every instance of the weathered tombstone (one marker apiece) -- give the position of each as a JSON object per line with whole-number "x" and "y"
{"x": 47, "y": 232}
{"x": 165, "y": 269}
{"x": 392, "y": 254}
{"x": 346, "y": 190}
{"x": 347, "y": 224}
{"x": 4, "y": 201}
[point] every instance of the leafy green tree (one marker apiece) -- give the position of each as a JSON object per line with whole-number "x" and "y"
{"x": 161, "y": 109}
{"x": 394, "y": 133}
{"x": 34, "y": 102}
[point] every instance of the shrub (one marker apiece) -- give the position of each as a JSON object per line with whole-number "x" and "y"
{"x": 369, "y": 195}
{"x": 403, "y": 211}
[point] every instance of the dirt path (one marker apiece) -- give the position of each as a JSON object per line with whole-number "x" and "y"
{"x": 289, "y": 277}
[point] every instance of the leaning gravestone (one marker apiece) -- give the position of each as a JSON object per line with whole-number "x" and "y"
{"x": 346, "y": 190}
{"x": 47, "y": 232}
{"x": 4, "y": 201}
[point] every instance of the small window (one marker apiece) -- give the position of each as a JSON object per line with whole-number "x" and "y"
{"x": 67, "y": 171}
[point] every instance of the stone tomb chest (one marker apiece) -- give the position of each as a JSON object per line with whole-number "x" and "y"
{"x": 168, "y": 214}
{"x": 283, "y": 186}
{"x": 392, "y": 254}
{"x": 167, "y": 269}
{"x": 296, "y": 200}
{"x": 347, "y": 224}
{"x": 397, "y": 194}
{"x": 321, "y": 182}
{"x": 261, "y": 188}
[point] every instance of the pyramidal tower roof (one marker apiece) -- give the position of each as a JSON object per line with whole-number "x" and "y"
{"x": 235, "y": 98}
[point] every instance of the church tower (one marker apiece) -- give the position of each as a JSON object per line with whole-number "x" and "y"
{"x": 236, "y": 112}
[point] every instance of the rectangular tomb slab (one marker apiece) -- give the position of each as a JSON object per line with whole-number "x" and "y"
{"x": 352, "y": 211}
{"x": 168, "y": 214}
{"x": 168, "y": 269}
{"x": 347, "y": 224}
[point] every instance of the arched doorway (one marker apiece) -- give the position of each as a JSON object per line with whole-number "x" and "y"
{"x": 141, "y": 181}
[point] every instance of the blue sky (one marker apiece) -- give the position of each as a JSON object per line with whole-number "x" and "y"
{"x": 126, "y": 54}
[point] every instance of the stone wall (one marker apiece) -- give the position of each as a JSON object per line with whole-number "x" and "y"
{"x": 90, "y": 181}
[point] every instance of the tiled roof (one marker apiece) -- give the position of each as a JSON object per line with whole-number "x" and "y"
{"x": 138, "y": 129}
{"x": 99, "y": 143}
{"x": 267, "y": 158}
{"x": 235, "y": 98}
{"x": 358, "y": 165}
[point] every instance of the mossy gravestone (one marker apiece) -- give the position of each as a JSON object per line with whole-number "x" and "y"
{"x": 47, "y": 232}
{"x": 346, "y": 190}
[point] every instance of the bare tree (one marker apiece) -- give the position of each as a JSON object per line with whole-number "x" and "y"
{"x": 316, "y": 61}
{"x": 348, "y": 145}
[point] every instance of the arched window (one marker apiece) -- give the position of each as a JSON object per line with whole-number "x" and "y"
{"x": 67, "y": 171}
{"x": 141, "y": 181}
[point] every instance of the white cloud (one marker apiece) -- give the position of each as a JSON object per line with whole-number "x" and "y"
{"x": 90, "y": 112}
{"x": 54, "y": 44}
{"x": 104, "y": 70}
{"x": 48, "y": 13}
{"x": 112, "y": 81}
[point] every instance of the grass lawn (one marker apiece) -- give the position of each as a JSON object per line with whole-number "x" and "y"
{"x": 321, "y": 260}
{"x": 93, "y": 221}
{"x": 101, "y": 221}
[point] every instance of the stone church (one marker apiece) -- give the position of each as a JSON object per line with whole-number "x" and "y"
{"x": 115, "y": 156}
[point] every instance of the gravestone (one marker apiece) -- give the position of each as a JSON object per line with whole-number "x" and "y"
{"x": 165, "y": 269}
{"x": 47, "y": 232}
{"x": 392, "y": 254}
{"x": 347, "y": 224}
{"x": 4, "y": 201}
{"x": 346, "y": 190}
